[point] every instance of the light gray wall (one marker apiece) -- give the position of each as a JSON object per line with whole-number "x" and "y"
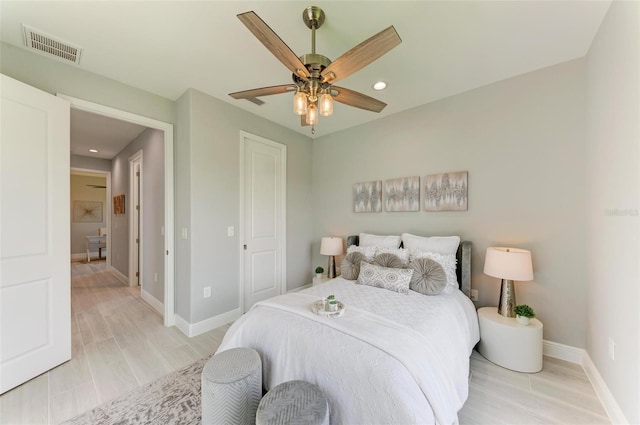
{"x": 613, "y": 203}
{"x": 522, "y": 142}
{"x": 151, "y": 143}
{"x": 56, "y": 77}
{"x": 100, "y": 164}
{"x": 209, "y": 169}
{"x": 81, "y": 192}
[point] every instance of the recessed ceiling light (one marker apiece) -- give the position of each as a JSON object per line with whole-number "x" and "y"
{"x": 380, "y": 85}
{"x": 93, "y": 150}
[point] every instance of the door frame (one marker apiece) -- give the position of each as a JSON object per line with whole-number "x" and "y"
{"x": 107, "y": 175}
{"x": 135, "y": 216}
{"x": 169, "y": 200}
{"x": 283, "y": 219}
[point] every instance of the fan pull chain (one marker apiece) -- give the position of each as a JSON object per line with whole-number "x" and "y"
{"x": 313, "y": 129}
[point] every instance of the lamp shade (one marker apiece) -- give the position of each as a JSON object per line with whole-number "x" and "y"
{"x": 331, "y": 246}
{"x": 508, "y": 263}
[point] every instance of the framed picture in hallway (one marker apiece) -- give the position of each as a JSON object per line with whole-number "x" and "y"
{"x": 118, "y": 204}
{"x": 87, "y": 212}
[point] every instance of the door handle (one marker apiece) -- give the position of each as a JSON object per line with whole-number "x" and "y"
{"x": 245, "y": 247}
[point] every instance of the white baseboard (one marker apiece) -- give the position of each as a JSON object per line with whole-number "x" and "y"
{"x": 606, "y": 398}
{"x": 83, "y": 256}
{"x": 124, "y": 279}
{"x": 300, "y": 288}
{"x": 563, "y": 352}
{"x": 581, "y": 357}
{"x": 194, "y": 329}
{"x": 152, "y": 301}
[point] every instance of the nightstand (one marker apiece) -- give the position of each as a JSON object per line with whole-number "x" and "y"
{"x": 508, "y": 344}
{"x": 317, "y": 281}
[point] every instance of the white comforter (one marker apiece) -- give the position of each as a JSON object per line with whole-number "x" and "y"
{"x": 390, "y": 359}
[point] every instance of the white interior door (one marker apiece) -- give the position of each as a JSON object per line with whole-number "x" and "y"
{"x": 264, "y": 231}
{"x": 135, "y": 235}
{"x": 35, "y": 282}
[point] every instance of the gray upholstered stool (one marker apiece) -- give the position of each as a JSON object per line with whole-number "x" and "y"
{"x": 231, "y": 387}
{"x": 293, "y": 403}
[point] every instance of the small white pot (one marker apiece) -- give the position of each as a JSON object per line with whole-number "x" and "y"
{"x": 318, "y": 275}
{"x": 522, "y": 320}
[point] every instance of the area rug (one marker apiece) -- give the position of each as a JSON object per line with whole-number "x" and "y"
{"x": 172, "y": 399}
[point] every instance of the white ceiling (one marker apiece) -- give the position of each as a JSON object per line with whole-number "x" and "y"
{"x": 448, "y": 47}
{"x": 107, "y": 135}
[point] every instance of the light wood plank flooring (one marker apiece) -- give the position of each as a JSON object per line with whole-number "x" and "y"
{"x": 119, "y": 343}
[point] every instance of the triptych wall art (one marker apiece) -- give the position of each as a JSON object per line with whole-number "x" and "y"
{"x": 442, "y": 192}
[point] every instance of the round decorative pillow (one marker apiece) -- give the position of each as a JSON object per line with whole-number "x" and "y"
{"x": 350, "y": 267}
{"x": 388, "y": 260}
{"x": 428, "y": 277}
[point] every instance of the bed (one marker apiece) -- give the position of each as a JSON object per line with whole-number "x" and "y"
{"x": 391, "y": 358}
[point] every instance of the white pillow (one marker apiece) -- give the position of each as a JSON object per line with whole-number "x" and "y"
{"x": 437, "y": 244}
{"x": 391, "y": 241}
{"x": 447, "y": 261}
{"x": 385, "y": 277}
{"x": 368, "y": 251}
{"x": 401, "y": 253}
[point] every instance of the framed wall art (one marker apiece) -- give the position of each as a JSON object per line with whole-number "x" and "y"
{"x": 446, "y": 192}
{"x": 118, "y": 204}
{"x": 87, "y": 212}
{"x": 367, "y": 196}
{"x": 402, "y": 194}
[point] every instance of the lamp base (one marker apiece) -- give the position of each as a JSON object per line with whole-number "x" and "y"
{"x": 507, "y": 298}
{"x": 331, "y": 272}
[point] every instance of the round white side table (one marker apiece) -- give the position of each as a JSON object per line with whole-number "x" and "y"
{"x": 508, "y": 344}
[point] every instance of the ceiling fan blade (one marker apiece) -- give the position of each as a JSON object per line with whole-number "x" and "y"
{"x": 356, "y": 99}
{"x": 274, "y": 43}
{"x": 263, "y": 91}
{"x": 361, "y": 55}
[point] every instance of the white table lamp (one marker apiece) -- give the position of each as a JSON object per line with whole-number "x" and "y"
{"x": 331, "y": 246}
{"x": 508, "y": 264}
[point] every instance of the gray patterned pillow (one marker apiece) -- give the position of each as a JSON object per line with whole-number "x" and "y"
{"x": 388, "y": 260}
{"x": 392, "y": 279}
{"x": 428, "y": 278}
{"x": 350, "y": 267}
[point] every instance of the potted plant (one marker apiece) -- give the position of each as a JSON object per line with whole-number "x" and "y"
{"x": 524, "y": 313}
{"x": 319, "y": 271}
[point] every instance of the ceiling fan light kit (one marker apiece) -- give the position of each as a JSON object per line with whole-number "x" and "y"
{"x": 314, "y": 74}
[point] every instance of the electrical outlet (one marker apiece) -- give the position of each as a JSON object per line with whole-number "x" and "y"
{"x": 612, "y": 349}
{"x": 230, "y": 231}
{"x": 474, "y": 295}
{"x": 185, "y": 233}
{"x": 207, "y": 291}
{"x": 155, "y": 277}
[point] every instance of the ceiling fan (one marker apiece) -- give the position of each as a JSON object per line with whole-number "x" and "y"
{"x": 314, "y": 74}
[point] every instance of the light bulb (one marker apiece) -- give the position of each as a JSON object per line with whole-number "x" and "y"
{"x": 300, "y": 103}
{"x": 312, "y": 114}
{"x": 326, "y": 105}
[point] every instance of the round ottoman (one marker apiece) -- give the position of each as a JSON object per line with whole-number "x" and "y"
{"x": 231, "y": 387}
{"x": 293, "y": 402}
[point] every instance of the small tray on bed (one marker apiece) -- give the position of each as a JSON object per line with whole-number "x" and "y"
{"x": 318, "y": 308}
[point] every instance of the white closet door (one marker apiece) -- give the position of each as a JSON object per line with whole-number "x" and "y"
{"x": 264, "y": 222}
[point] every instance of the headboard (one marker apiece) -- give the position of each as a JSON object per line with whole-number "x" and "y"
{"x": 463, "y": 267}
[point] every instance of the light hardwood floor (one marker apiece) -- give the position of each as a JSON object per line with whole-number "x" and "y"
{"x": 119, "y": 343}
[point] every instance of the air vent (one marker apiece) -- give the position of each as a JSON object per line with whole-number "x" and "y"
{"x": 255, "y": 100}
{"x": 52, "y": 46}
